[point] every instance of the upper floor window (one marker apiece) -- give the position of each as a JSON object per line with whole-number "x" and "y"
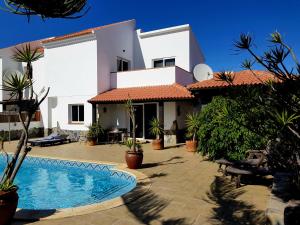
{"x": 122, "y": 64}
{"x": 165, "y": 62}
{"x": 77, "y": 113}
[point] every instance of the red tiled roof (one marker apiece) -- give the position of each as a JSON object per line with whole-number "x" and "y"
{"x": 81, "y": 33}
{"x": 245, "y": 77}
{"x": 149, "y": 93}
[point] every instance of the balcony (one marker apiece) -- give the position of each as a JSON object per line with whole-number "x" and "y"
{"x": 151, "y": 77}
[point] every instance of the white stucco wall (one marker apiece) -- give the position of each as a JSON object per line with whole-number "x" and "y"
{"x": 71, "y": 74}
{"x": 115, "y": 116}
{"x": 175, "y": 44}
{"x": 196, "y": 54}
{"x": 169, "y": 114}
{"x": 113, "y": 42}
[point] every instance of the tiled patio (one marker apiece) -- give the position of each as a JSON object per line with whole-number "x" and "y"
{"x": 183, "y": 190}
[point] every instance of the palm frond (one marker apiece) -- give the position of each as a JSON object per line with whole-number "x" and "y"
{"x": 15, "y": 84}
{"x": 69, "y": 9}
{"x": 245, "y": 42}
{"x": 26, "y": 54}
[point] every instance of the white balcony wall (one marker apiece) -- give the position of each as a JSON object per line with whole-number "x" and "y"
{"x": 151, "y": 77}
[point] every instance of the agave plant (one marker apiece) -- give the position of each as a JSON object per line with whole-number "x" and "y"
{"x": 48, "y": 8}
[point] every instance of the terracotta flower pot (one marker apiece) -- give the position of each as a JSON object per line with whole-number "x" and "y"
{"x": 8, "y": 206}
{"x": 91, "y": 141}
{"x": 134, "y": 160}
{"x": 191, "y": 146}
{"x": 157, "y": 144}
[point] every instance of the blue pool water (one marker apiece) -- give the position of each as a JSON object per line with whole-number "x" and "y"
{"x": 57, "y": 184}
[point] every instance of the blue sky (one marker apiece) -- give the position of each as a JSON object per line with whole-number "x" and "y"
{"x": 216, "y": 23}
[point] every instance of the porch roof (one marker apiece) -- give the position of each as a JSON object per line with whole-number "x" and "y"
{"x": 148, "y": 93}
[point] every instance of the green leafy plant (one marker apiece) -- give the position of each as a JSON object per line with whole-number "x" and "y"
{"x": 192, "y": 123}
{"x": 95, "y": 131}
{"x": 278, "y": 99}
{"x": 156, "y": 128}
{"x": 222, "y": 133}
{"x": 7, "y": 186}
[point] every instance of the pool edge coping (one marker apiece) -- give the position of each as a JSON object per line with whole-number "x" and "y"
{"x": 143, "y": 183}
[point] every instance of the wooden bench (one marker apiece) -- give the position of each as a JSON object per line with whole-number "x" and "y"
{"x": 225, "y": 163}
{"x": 237, "y": 174}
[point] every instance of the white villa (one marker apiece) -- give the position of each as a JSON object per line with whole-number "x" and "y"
{"x": 93, "y": 72}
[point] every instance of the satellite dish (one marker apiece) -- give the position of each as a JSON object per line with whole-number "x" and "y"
{"x": 202, "y": 72}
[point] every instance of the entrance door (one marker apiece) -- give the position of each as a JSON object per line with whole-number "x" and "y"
{"x": 150, "y": 112}
{"x": 139, "y": 132}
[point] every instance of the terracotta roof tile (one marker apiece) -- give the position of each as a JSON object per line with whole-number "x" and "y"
{"x": 81, "y": 33}
{"x": 149, "y": 93}
{"x": 245, "y": 77}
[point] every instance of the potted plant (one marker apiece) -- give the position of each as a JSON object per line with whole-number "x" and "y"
{"x": 15, "y": 85}
{"x": 134, "y": 156}
{"x": 156, "y": 130}
{"x": 94, "y": 132}
{"x": 193, "y": 124}
{"x": 8, "y": 202}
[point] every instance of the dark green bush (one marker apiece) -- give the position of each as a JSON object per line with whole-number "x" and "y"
{"x": 222, "y": 133}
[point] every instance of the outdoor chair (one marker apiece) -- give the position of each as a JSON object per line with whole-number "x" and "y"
{"x": 52, "y": 139}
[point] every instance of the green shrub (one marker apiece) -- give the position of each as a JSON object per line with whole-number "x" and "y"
{"x": 222, "y": 133}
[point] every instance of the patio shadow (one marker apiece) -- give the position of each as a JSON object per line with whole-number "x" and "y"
{"x": 229, "y": 210}
{"x": 162, "y": 163}
{"x": 35, "y": 215}
{"x": 147, "y": 206}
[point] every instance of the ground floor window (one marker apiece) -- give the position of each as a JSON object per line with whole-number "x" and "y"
{"x": 77, "y": 113}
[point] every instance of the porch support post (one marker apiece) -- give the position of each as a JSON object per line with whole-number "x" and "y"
{"x": 94, "y": 112}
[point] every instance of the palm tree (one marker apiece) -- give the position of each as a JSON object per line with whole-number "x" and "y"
{"x": 48, "y": 8}
{"x": 16, "y": 84}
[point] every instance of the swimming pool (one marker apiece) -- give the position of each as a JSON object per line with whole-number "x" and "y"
{"x": 58, "y": 184}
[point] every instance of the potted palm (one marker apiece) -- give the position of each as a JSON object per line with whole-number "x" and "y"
{"x": 94, "y": 132}
{"x": 134, "y": 156}
{"x": 16, "y": 84}
{"x": 157, "y": 130}
{"x": 193, "y": 124}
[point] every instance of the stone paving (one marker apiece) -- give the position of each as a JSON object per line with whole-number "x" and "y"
{"x": 185, "y": 189}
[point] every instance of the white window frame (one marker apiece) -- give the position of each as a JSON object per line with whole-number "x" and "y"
{"x": 123, "y": 60}
{"x": 164, "y": 61}
{"x": 71, "y": 114}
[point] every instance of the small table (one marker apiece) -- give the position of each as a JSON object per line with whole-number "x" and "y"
{"x": 114, "y": 136}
